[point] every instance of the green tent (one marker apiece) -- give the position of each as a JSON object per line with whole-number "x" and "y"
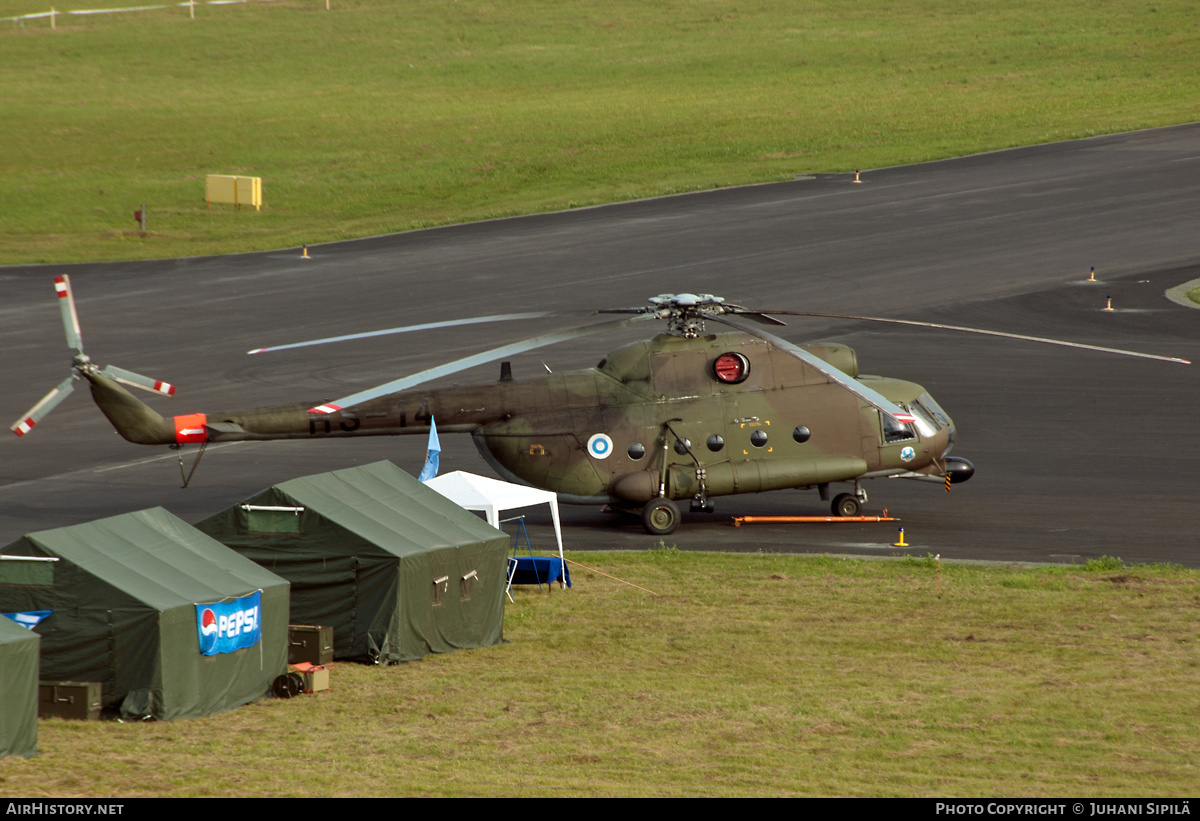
{"x": 128, "y": 596}
{"x": 396, "y": 569}
{"x": 18, "y": 689}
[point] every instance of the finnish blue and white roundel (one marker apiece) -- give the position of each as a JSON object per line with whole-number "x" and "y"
{"x": 600, "y": 446}
{"x": 907, "y": 454}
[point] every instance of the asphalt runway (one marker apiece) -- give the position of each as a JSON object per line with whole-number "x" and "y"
{"x": 1078, "y": 454}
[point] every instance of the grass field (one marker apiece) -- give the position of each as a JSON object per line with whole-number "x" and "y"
{"x": 385, "y": 116}
{"x": 745, "y": 675}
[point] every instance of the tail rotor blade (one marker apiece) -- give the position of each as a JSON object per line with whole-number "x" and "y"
{"x": 66, "y": 304}
{"x": 48, "y": 403}
{"x": 137, "y": 380}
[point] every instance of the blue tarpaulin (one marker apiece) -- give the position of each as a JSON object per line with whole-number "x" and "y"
{"x": 541, "y": 570}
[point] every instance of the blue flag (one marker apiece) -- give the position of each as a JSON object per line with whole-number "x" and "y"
{"x": 29, "y": 619}
{"x": 431, "y": 454}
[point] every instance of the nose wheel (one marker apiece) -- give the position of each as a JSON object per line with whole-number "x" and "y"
{"x": 846, "y": 504}
{"x": 850, "y": 504}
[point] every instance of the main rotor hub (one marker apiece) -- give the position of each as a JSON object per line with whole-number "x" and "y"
{"x": 685, "y": 313}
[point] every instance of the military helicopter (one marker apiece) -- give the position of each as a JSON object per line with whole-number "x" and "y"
{"x": 685, "y": 415}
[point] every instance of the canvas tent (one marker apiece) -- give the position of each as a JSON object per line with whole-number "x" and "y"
{"x": 395, "y": 568}
{"x": 18, "y": 689}
{"x": 124, "y": 596}
{"x": 493, "y": 497}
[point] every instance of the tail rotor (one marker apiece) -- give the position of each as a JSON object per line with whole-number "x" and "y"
{"x": 81, "y": 366}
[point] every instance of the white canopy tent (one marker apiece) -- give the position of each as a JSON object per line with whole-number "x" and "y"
{"x": 493, "y": 497}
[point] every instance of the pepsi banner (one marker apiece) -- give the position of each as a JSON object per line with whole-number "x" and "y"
{"x": 224, "y": 627}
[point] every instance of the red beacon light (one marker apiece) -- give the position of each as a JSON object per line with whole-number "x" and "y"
{"x": 731, "y": 368}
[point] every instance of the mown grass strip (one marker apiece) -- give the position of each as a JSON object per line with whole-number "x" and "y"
{"x": 380, "y": 116}
{"x": 751, "y": 675}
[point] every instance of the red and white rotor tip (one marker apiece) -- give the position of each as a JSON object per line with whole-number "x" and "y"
{"x": 47, "y": 403}
{"x": 137, "y": 380}
{"x": 62, "y": 287}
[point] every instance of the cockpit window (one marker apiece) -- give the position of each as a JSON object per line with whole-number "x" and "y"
{"x": 926, "y": 423}
{"x": 926, "y": 402}
{"x": 894, "y": 430}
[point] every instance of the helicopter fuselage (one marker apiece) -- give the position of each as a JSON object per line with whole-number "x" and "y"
{"x": 668, "y": 417}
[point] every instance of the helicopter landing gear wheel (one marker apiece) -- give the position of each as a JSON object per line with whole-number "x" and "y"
{"x": 660, "y": 517}
{"x": 846, "y": 504}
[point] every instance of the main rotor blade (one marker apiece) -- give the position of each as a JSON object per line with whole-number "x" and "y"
{"x": 481, "y": 358}
{"x": 66, "y": 304}
{"x": 985, "y": 332}
{"x": 428, "y": 326}
{"x": 869, "y": 395}
{"x": 48, "y": 403}
{"x": 759, "y": 316}
{"x": 137, "y": 380}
